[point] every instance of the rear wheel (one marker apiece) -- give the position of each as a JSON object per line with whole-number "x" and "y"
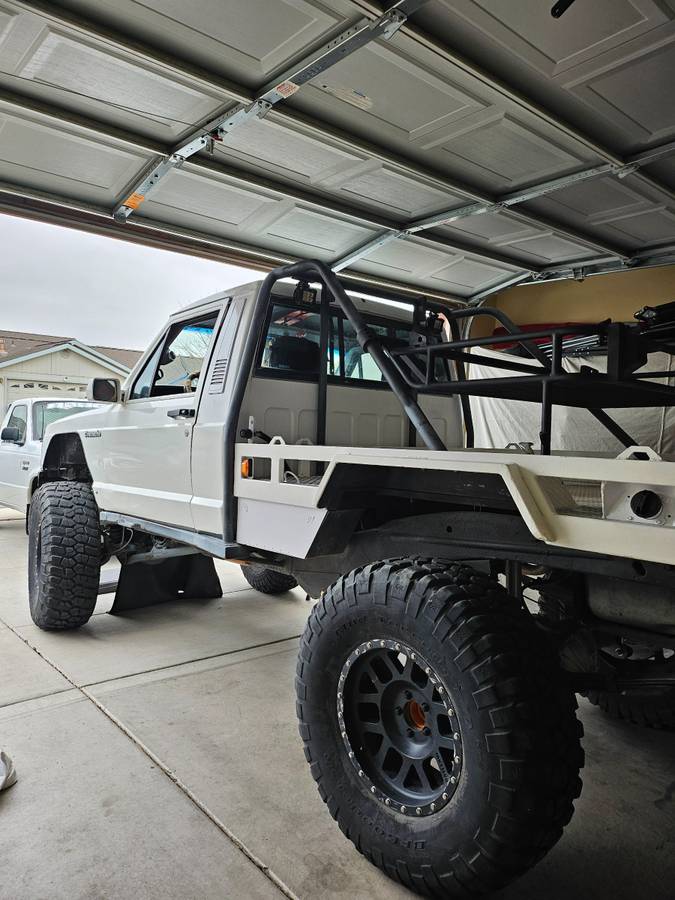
{"x": 64, "y": 555}
{"x": 437, "y": 725}
{"x": 267, "y": 581}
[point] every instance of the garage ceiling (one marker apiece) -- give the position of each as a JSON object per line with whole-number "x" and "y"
{"x": 543, "y": 149}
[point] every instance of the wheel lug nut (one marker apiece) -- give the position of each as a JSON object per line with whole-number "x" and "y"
{"x": 425, "y": 707}
{"x": 399, "y": 710}
{"x": 408, "y": 695}
{"x": 427, "y": 732}
{"x": 411, "y": 733}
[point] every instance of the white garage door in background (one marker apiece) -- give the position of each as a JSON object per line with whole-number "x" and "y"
{"x": 18, "y": 388}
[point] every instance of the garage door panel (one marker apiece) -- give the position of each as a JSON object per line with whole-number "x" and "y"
{"x": 286, "y": 151}
{"x": 630, "y": 92}
{"x": 384, "y": 187}
{"x": 400, "y": 94}
{"x": 626, "y": 211}
{"x": 604, "y": 63}
{"x": 63, "y": 159}
{"x": 244, "y": 40}
{"x": 414, "y": 262}
{"x": 86, "y": 75}
{"x": 211, "y": 198}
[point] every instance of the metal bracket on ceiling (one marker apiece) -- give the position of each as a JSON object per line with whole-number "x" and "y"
{"x": 347, "y": 42}
{"x": 506, "y": 201}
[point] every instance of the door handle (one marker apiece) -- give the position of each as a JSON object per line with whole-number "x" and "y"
{"x": 181, "y": 413}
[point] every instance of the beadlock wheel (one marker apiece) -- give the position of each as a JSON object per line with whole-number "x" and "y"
{"x": 399, "y": 727}
{"x": 438, "y": 725}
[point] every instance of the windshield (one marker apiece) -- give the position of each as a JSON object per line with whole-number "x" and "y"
{"x": 47, "y": 412}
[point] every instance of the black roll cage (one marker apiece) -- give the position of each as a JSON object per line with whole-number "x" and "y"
{"x": 411, "y": 371}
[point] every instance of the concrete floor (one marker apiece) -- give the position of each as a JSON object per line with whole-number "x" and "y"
{"x": 158, "y": 757}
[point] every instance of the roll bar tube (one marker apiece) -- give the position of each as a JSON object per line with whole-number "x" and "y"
{"x": 313, "y": 270}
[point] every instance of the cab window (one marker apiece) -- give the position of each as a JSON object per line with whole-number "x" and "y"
{"x": 292, "y": 341}
{"x": 176, "y": 365}
{"x": 19, "y": 419}
{"x": 291, "y": 348}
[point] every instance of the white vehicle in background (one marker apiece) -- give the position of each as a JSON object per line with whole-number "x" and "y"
{"x": 21, "y": 438}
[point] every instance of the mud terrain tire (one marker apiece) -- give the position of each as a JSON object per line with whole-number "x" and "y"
{"x": 64, "y": 555}
{"x": 511, "y": 785}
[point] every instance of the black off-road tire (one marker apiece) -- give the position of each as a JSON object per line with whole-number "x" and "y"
{"x": 267, "y": 581}
{"x": 656, "y": 710}
{"x": 520, "y": 737}
{"x": 64, "y": 555}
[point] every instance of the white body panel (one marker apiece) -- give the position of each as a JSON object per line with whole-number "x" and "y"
{"x": 522, "y": 474}
{"x": 141, "y": 461}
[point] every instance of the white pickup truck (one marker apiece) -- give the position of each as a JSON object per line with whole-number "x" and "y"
{"x": 21, "y": 437}
{"x": 326, "y": 440}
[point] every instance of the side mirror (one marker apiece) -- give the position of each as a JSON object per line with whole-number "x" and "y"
{"x": 105, "y": 390}
{"x": 11, "y": 435}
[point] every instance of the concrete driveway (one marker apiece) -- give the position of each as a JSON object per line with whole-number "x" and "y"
{"x": 158, "y": 757}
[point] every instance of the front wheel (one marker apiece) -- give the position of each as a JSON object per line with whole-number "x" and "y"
{"x": 64, "y": 555}
{"x": 437, "y": 725}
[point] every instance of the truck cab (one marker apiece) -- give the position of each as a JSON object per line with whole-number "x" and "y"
{"x": 158, "y": 452}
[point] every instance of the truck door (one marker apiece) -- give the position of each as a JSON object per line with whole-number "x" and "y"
{"x": 14, "y": 462}
{"x": 142, "y": 456}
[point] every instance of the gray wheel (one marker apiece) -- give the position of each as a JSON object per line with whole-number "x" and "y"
{"x": 437, "y": 725}
{"x": 64, "y": 555}
{"x": 267, "y": 581}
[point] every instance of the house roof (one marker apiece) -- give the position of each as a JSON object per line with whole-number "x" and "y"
{"x": 17, "y": 344}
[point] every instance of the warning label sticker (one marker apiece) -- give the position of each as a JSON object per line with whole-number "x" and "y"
{"x": 133, "y": 201}
{"x": 286, "y": 88}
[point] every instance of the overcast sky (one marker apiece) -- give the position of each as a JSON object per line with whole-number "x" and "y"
{"x": 101, "y": 291}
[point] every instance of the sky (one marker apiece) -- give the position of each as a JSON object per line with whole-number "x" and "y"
{"x": 101, "y": 291}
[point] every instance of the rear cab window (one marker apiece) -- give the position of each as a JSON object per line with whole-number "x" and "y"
{"x": 291, "y": 348}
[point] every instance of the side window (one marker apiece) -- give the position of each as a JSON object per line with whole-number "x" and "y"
{"x": 176, "y": 365}
{"x": 292, "y": 341}
{"x": 144, "y": 381}
{"x": 19, "y": 419}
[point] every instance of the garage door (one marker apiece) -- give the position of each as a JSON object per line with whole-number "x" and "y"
{"x": 18, "y": 388}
